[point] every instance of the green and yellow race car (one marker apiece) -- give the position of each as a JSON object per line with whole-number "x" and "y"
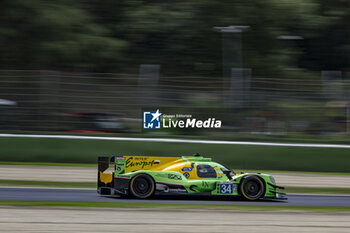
{"x": 146, "y": 176}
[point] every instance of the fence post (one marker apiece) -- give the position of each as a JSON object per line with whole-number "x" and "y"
{"x": 332, "y": 84}
{"x": 49, "y": 100}
{"x": 239, "y": 93}
{"x": 148, "y": 83}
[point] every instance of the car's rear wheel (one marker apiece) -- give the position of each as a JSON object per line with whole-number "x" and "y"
{"x": 252, "y": 188}
{"x": 142, "y": 186}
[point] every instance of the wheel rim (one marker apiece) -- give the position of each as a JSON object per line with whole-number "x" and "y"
{"x": 253, "y": 189}
{"x": 142, "y": 187}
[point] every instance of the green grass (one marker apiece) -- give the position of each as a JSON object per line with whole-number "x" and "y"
{"x": 49, "y": 164}
{"x": 240, "y": 157}
{"x": 56, "y": 184}
{"x": 51, "y": 184}
{"x": 165, "y": 206}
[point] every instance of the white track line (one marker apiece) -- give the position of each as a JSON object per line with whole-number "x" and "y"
{"x": 172, "y": 140}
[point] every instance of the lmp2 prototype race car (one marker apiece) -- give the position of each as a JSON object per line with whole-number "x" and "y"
{"x": 146, "y": 176}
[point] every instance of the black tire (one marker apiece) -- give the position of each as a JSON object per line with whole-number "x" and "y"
{"x": 252, "y": 188}
{"x": 142, "y": 186}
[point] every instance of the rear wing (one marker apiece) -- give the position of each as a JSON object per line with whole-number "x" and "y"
{"x": 103, "y": 163}
{"x": 105, "y": 181}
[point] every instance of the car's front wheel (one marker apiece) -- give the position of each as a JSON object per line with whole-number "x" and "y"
{"x": 252, "y": 188}
{"x": 142, "y": 186}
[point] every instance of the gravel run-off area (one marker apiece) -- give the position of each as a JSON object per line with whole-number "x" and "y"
{"x": 41, "y": 219}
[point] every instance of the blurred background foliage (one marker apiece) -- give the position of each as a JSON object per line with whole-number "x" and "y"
{"x": 98, "y": 60}
{"x": 118, "y": 35}
{"x": 93, "y": 66}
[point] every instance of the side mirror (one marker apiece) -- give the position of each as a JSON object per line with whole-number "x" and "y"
{"x": 227, "y": 172}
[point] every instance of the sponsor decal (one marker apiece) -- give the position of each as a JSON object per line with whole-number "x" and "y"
{"x": 130, "y": 162}
{"x": 205, "y": 184}
{"x": 120, "y": 161}
{"x": 156, "y": 162}
{"x": 187, "y": 169}
{"x": 174, "y": 177}
{"x": 178, "y": 190}
{"x": 186, "y": 174}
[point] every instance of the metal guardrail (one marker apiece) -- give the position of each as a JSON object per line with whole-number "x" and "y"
{"x": 53, "y": 100}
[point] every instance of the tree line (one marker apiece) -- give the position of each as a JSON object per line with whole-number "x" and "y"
{"x": 118, "y": 35}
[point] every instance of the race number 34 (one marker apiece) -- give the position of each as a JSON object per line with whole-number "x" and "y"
{"x": 226, "y": 188}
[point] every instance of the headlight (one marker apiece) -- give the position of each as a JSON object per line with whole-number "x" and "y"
{"x": 272, "y": 180}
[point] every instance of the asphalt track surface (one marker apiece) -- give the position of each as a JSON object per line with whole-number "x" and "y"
{"x": 90, "y": 195}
